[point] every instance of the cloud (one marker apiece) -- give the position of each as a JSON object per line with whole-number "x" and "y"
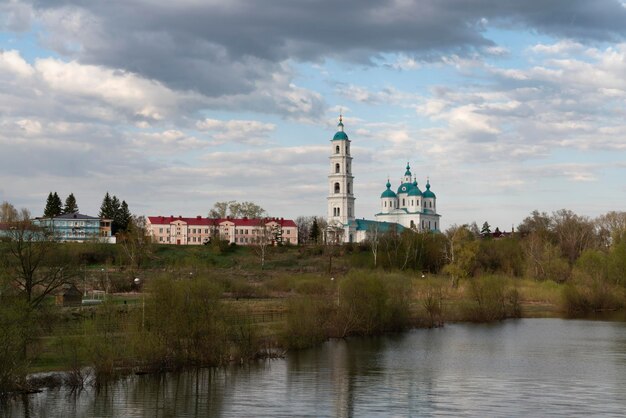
{"x": 233, "y": 51}
{"x": 242, "y": 131}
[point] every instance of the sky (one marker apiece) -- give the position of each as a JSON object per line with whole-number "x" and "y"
{"x": 506, "y": 106}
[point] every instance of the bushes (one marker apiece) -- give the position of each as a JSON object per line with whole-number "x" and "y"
{"x": 308, "y": 322}
{"x": 16, "y": 330}
{"x": 494, "y": 298}
{"x": 370, "y": 303}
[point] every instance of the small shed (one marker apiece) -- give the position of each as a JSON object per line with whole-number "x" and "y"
{"x": 69, "y": 295}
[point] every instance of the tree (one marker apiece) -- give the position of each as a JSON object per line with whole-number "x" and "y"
{"x": 263, "y": 240}
{"x": 117, "y": 212}
{"x": 461, "y": 253}
{"x": 70, "y": 204}
{"x": 35, "y": 264}
{"x": 574, "y": 233}
{"x": 123, "y": 217}
{"x": 314, "y": 233}
{"x": 486, "y": 229}
{"x": 53, "y": 206}
{"x": 373, "y": 237}
{"x": 236, "y": 209}
{"x": 220, "y": 209}
{"x": 8, "y": 213}
{"x": 106, "y": 208}
{"x": 247, "y": 210}
{"x": 610, "y": 226}
{"x": 135, "y": 242}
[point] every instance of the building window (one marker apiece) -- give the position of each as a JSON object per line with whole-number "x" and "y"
{"x": 435, "y": 225}
{"x": 337, "y": 149}
{"x": 430, "y": 204}
{"x": 385, "y": 203}
{"x": 337, "y": 168}
{"x": 403, "y": 202}
{"x": 336, "y": 187}
{"x": 349, "y": 188}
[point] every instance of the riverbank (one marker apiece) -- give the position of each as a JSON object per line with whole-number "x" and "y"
{"x": 173, "y": 323}
{"x": 197, "y": 308}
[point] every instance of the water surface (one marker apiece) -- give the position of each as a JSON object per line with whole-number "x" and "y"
{"x": 528, "y": 367}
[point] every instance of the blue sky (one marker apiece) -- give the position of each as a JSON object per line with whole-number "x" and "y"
{"x": 506, "y": 106}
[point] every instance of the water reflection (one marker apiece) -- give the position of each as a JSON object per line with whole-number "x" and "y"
{"x": 533, "y": 367}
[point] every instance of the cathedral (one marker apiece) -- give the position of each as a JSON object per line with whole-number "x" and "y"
{"x": 409, "y": 207}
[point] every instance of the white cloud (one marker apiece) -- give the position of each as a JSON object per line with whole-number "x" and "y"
{"x": 242, "y": 131}
{"x": 12, "y": 64}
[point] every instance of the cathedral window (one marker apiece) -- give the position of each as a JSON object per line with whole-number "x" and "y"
{"x": 337, "y": 168}
{"x": 337, "y": 149}
{"x": 403, "y": 202}
{"x": 336, "y": 187}
{"x": 349, "y": 188}
{"x": 385, "y": 203}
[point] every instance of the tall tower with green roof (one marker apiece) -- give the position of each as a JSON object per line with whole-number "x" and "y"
{"x": 340, "y": 185}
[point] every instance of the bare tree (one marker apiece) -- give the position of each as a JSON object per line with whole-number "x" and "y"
{"x": 263, "y": 240}
{"x": 135, "y": 242}
{"x": 373, "y": 237}
{"x": 610, "y": 226}
{"x": 34, "y": 262}
{"x": 8, "y": 213}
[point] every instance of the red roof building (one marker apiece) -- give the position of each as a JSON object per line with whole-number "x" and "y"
{"x": 241, "y": 231}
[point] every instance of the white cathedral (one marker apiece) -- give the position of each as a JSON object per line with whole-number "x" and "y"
{"x": 409, "y": 207}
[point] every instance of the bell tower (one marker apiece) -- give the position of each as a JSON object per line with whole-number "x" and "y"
{"x": 340, "y": 184}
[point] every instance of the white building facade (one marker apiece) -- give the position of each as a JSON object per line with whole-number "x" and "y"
{"x": 408, "y": 208}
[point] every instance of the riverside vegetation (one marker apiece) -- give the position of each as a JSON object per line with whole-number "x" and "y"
{"x": 210, "y": 305}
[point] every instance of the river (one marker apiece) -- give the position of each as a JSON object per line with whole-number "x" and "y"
{"x": 527, "y": 367}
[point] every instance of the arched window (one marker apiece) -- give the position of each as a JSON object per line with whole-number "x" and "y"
{"x": 336, "y": 187}
{"x": 385, "y": 203}
{"x": 349, "y": 188}
{"x": 431, "y": 204}
{"x": 403, "y": 202}
{"x": 337, "y": 149}
{"x": 338, "y": 212}
{"x": 337, "y": 167}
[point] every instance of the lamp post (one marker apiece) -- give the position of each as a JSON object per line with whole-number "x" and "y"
{"x": 137, "y": 282}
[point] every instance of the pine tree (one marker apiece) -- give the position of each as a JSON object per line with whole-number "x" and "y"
{"x": 70, "y": 204}
{"x": 49, "y": 209}
{"x": 53, "y": 206}
{"x": 124, "y": 217}
{"x": 486, "y": 229}
{"x": 106, "y": 211}
{"x": 58, "y": 205}
{"x": 315, "y": 231}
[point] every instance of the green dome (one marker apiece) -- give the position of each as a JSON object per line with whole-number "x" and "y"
{"x": 405, "y": 188}
{"x": 415, "y": 191}
{"x": 408, "y": 170}
{"x": 388, "y": 192}
{"x": 340, "y": 136}
{"x": 428, "y": 193}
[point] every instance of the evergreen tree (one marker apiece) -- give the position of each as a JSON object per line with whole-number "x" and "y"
{"x": 486, "y": 229}
{"x": 124, "y": 217}
{"x": 53, "y": 206}
{"x": 315, "y": 231}
{"x": 49, "y": 209}
{"x": 70, "y": 204}
{"x": 117, "y": 212}
{"x": 106, "y": 208}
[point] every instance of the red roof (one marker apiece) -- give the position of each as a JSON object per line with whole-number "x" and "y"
{"x": 198, "y": 220}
